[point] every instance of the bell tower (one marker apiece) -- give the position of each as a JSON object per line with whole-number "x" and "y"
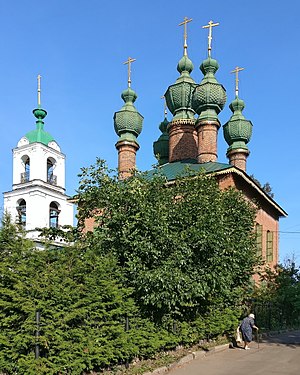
{"x": 37, "y": 198}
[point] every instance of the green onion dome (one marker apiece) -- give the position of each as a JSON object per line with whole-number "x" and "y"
{"x": 185, "y": 65}
{"x": 179, "y": 95}
{"x": 128, "y": 121}
{"x": 237, "y": 131}
{"x": 209, "y": 96}
{"x": 161, "y": 146}
{"x": 39, "y": 134}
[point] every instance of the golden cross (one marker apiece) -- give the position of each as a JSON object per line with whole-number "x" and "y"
{"x": 236, "y": 71}
{"x": 185, "y": 22}
{"x": 165, "y": 106}
{"x": 128, "y": 62}
{"x": 210, "y": 26}
{"x": 39, "y": 90}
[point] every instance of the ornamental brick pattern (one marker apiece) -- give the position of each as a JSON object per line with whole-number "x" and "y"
{"x": 182, "y": 140}
{"x": 126, "y": 158}
{"x": 207, "y": 132}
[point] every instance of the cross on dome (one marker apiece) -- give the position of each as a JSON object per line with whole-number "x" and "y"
{"x": 165, "y": 105}
{"x": 209, "y": 27}
{"x": 128, "y": 62}
{"x": 39, "y": 90}
{"x": 236, "y": 71}
{"x": 184, "y": 23}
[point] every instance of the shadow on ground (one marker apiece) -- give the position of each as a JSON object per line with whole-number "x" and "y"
{"x": 291, "y": 339}
{"x": 288, "y": 338}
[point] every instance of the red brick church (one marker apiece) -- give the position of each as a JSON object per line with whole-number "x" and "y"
{"x": 190, "y": 139}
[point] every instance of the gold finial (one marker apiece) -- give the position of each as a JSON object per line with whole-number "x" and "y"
{"x": 236, "y": 71}
{"x": 210, "y": 26}
{"x": 128, "y": 62}
{"x": 39, "y": 90}
{"x": 165, "y": 105}
{"x": 185, "y": 22}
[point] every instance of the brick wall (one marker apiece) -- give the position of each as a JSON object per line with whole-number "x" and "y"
{"x": 207, "y": 141}
{"x": 126, "y": 158}
{"x": 238, "y": 159}
{"x": 89, "y": 225}
{"x": 266, "y": 215}
{"x": 183, "y": 142}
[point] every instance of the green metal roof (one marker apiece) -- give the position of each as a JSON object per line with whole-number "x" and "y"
{"x": 39, "y": 134}
{"x": 184, "y": 167}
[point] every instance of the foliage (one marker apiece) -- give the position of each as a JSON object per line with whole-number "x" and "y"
{"x": 277, "y": 298}
{"x": 64, "y": 234}
{"x": 174, "y": 259}
{"x": 83, "y": 308}
{"x": 265, "y": 187}
{"x": 185, "y": 247}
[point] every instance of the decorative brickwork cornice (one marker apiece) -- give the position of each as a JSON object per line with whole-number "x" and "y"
{"x": 122, "y": 143}
{"x": 181, "y": 121}
{"x": 199, "y": 123}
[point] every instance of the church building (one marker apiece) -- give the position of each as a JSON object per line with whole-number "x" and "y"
{"x": 38, "y": 198}
{"x": 190, "y": 139}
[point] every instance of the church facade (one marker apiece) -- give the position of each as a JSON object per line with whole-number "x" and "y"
{"x": 190, "y": 139}
{"x": 38, "y": 199}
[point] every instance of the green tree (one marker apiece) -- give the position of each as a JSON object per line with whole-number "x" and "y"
{"x": 265, "y": 187}
{"x": 174, "y": 258}
{"x": 83, "y": 306}
{"x": 277, "y": 297}
{"x": 185, "y": 247}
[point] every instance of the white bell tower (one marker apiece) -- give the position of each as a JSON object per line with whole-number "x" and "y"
{"x": 37, "y": 198}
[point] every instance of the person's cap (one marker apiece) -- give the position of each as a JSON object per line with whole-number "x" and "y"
{"x": 251, "y": 316}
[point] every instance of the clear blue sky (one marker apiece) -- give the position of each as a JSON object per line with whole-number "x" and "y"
{"x": 79, "y": 47}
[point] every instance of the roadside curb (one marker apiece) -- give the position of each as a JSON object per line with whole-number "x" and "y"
{"x": 188, "y": 358}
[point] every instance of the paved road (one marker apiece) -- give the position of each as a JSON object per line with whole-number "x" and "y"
{"x": 276, "y": 355}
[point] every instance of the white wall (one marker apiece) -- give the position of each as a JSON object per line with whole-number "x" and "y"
{"x": 37, "y": 192}
{"x": 38, "y": 154}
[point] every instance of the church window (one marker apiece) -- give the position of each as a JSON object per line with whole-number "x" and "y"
{"x": 21, "y": 209}
{"x": 53, "y": 215}
{"x": 26, "y": 174}
{"x": 51, "y": 178}
{"x": 258, "y": 230}
{"x": 269, "y": 247}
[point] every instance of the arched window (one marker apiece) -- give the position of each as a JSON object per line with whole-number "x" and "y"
{"x": 51, "y": 178}
{"x": 21, "y": 209}
{"x": 269, "y": 247}
{"x": 53, "y": 215}
{"x": 258, "y": 233}
{"x": 26, "y": 174}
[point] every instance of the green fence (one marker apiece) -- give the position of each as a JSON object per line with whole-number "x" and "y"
{"x": 271, "y": 316}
